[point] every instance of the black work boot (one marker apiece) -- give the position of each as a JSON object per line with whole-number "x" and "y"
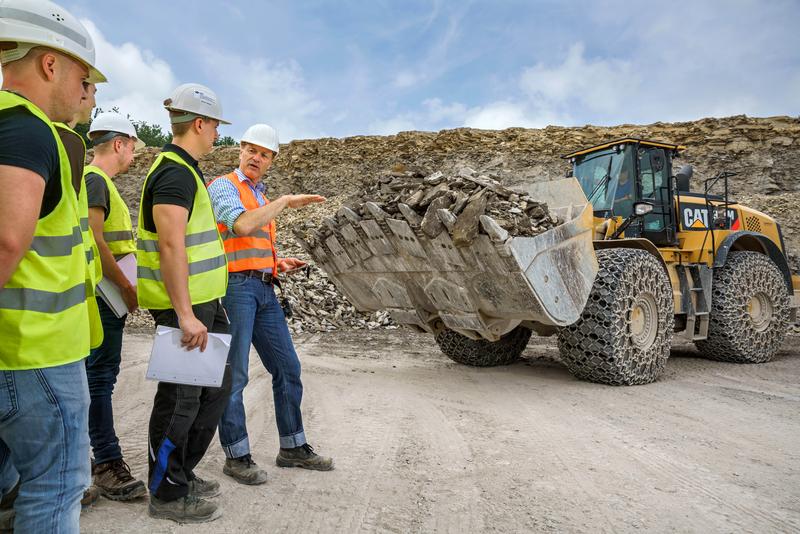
{"x": 244, "y": 470}
{"x": 205, "y": 489}
{"x": 188, "y": 509}
{"x": 115, "y": 482}
{"x": 305, "y": 457}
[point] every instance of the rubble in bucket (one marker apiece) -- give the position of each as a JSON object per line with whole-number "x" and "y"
{"x": 463, "y": 203}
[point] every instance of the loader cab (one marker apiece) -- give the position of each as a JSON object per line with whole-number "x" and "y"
{"x": 616, "y": 175}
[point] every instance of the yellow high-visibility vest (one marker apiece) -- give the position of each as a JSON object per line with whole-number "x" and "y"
{"x": 94, "y": 268}
{"x": 43, "y": 306}
{"x": 208, "y": 271}
{"x": 117, "y": 228}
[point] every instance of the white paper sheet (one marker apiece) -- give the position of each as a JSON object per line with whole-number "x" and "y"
{"x": 109, "y": 291}
{"x": 128, "y": 265}
{"x": 169, "y": 362}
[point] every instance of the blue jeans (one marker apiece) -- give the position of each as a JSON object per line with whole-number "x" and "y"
{"x": 256, "y": 315}
{"x": 44, "y": 443}
{"x": 102, "y": 368}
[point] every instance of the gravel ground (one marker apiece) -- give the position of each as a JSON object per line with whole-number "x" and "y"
{"x": 424, "y": 445}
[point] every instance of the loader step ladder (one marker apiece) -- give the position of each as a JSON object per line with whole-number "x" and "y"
{"x": 697, "y": 279}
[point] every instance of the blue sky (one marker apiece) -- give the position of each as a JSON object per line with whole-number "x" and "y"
{"x": 323, "y": 68}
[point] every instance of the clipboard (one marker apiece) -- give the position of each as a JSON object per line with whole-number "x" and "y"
{"x": 110, "y": 293}
{"x": 170, "y": 362}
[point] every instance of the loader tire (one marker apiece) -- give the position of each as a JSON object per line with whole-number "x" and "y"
{"x": 483, "y": 353}
{"x": 749, "y": 310}
{"x": 624, "y": 334}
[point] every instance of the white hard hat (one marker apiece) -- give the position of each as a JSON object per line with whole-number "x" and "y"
{"x": 262, "y": 135}
{"x": 31, "y": 23}
{"x": 113, "y": 123}
{"x": 194, "y": 100}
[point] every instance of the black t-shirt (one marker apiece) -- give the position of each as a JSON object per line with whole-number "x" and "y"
{"x": 28, "y": 143}
{"x": 170, "y": 183}
{"x": 76, "y": 154}
{"x": 97, "y": 193}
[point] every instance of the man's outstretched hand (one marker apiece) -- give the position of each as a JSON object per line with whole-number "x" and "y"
{"x": 288, "y": 264}
{"x": 298, "y": 201}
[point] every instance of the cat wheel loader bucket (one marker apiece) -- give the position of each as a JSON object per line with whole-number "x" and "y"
{"x": 481, "y": 291}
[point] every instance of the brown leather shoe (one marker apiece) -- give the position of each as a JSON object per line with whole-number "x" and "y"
{"x": 205, "y": 489}
{"x": 115, "y": 482}
{"x": 305, "y": 457}
{"x": 244, "y": 470}
{"x": 90, "y": 496}
{"x": 188, "y": 509}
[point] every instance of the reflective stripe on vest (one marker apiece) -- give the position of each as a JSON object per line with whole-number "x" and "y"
{"x": 195, "y": 267}
{"x": 117, "y": 227}
{"x": 151, "y": 245}
{"x": 57, "y": 245}
{"x": 208, "y": 275}
{"x": 124, "y": 235}
{"x": 254, "y": 251}
{"x": 25, "y": 298}
{"x": 94, "y": 267}
{"x": 43, "y": 307}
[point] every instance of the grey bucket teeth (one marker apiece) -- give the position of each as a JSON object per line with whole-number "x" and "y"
{"x": 427, "y": 247}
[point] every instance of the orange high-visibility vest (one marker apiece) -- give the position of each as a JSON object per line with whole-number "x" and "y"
{"x": 253, "y": 251}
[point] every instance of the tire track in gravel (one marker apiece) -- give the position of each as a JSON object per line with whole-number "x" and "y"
{"x": 690, "y": 477}
{"x": 448, "y": 470}
{"x": 548, "y": 435}
{"x": 363, "y": 441}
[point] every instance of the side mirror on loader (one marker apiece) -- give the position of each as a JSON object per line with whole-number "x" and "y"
{"x": 640, "y": 209}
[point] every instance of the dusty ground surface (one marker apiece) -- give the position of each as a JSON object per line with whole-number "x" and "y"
{"x": 424, "y": 445}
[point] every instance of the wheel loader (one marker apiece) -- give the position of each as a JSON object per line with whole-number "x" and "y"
{"x": 641, "y": 258}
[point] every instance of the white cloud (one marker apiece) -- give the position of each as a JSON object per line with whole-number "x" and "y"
{"x": 499, "y": 115}
{"x": 438, "y": 57}
{"x": 391, "y": 126}
{"x": 601, "y": 85}
{"x": 547, "y": 94}
{"x": 139, "y": 81}
{"x": 259, "y": 90}
{"x": 404, "y": 79}
{"x": 438, "y": 111}
{"x": 435, "y": 115}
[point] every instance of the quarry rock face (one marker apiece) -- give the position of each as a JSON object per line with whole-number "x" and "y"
{"x": 453, "y": 178}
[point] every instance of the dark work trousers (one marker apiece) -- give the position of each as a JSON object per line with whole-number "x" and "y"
{"x": 184, "y": 418}
{"x": 102, "y": 368}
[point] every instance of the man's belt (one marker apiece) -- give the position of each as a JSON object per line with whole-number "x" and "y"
{"x": 264, "y": 276}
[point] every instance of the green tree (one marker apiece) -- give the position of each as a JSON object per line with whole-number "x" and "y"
{"x": 225, "y": 141}
{"x": 152, "y": 134}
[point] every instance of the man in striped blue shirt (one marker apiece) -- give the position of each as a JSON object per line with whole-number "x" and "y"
{"x": 225, "y": 198}
{"x": 247, "y": 225}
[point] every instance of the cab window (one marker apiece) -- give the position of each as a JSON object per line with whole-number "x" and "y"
{"x": 625, "y": 186}
{"x": 653, "y": 174}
